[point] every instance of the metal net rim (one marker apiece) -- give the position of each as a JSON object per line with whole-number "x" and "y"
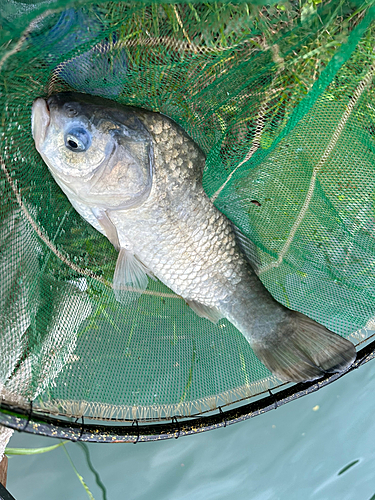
{"x": 34, "y": 422}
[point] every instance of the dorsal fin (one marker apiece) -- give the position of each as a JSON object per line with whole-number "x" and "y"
{"x": 247, "y": 247}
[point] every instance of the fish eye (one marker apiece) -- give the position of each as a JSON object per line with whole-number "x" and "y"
{"x": 77, "y": 139}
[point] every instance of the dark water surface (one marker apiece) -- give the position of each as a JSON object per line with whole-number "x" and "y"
{"x": 301, "y": 450}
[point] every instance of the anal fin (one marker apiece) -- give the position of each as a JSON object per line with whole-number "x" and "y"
{"x": 210, "y": 313}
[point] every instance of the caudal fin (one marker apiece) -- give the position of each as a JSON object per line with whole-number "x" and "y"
{"x": 304, "y": 350}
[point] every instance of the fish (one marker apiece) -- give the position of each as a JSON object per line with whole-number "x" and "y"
{"x": 136, "y": 176}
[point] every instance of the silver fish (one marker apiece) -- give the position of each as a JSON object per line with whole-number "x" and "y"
{"x": 136, "y": 177}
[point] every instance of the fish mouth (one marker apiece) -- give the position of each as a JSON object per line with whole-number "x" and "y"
{"x": 40, "y": 120}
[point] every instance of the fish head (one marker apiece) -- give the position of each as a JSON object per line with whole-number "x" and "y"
{"x": 99, "y": 152}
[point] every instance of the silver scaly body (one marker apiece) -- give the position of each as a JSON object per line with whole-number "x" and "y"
{"x": 187, "y": 242}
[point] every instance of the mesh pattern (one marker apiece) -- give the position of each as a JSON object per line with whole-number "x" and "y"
{"x": 284, "y": 113}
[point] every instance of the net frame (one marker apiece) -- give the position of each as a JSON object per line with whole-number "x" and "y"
{"x": 32, "y": 422}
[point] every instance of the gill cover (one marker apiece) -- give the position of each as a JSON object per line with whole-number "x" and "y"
{"x": 124, "y": 179}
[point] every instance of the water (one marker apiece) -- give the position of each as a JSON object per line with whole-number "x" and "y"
{"x": 294, "y": 452}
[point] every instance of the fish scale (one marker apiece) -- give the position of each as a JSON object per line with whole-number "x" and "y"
{"x": 199, "y": 251}
{"x": 137, "y": 177}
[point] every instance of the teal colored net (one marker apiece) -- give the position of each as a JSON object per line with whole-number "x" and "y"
{"x": 281, "y": 100}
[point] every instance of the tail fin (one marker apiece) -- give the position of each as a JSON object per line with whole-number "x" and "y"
{"x": 304, "y": 350}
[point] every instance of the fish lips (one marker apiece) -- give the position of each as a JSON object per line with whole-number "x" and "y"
{"x": 40, "y": 120}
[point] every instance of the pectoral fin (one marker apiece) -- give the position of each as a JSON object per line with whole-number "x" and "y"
{"x": 207, "y": 312}
{"x": 108, "y": 227}
{"x": 130, "y": 277}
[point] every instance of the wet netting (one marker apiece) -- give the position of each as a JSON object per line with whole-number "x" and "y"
{"x": 281, "y": 100}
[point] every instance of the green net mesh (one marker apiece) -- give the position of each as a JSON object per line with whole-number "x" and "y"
{"x": 281, "y": 100}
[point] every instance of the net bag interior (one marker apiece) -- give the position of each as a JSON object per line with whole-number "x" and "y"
{"x": 281, "y": 100}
